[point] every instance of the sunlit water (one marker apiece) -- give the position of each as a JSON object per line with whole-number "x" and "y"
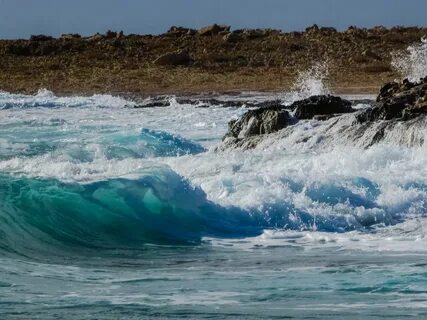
{"x": 111, "y": 212}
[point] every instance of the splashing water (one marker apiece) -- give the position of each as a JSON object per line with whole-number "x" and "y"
{"x": 312, "y": 81}
{"x": 306, "y": 225}
{"x": 412, "y": 63}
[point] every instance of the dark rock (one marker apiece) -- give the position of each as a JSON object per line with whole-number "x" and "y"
{"x": 257, "y": 122}
{"x": 181, "y": 58}
{"x": 357, "y": 32}
{"x": 371, "y": 54}
{"x": 164, "y": 101}
{"x": 379, "y": 30}
{"x": 180, "y": 31}
{"x": 157, "y": 101}
{"x": 20, "y": 49}
{"x": 40, "y": 37}
{"x": 398, "y": 100}
{"x": 96, "y": 37}
{"x": 70, "y": 36}
{"x": 328, "y": 30}
{"x": 386, "y": 112}
{"x": 213, "y": 30}
{"x": 255, "y": 33}
{"x": 110, "y": 34}
{"x": 418, "y": 109}
{"x": 232, "y": 37}
{"x": 314, "y": 28}
{"x": 153, "y": 104}
{"x": 320, "y": 106}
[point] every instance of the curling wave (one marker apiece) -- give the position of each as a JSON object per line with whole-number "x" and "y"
{"x": 163, "y": 208}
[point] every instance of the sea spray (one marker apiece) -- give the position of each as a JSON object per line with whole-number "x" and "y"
{"x": 412, "y": 62}
{"x": 310, "y": 82}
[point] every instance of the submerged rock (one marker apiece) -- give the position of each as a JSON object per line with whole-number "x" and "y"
{"x": 320, "y": 106}
{"x": 201, "y": 102}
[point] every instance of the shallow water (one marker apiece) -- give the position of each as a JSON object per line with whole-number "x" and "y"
{"x": 112, "y": 212}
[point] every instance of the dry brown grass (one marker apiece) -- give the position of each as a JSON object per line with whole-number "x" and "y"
{"x": 258, "y": 60}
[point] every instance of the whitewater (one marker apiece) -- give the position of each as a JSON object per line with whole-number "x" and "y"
{"x": 113, "y": 212}
{"x": 108, "y": 210}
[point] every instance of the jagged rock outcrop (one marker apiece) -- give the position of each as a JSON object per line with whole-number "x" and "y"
{"x": 398, "y": 116}
{"x": 398, "y": 100}
{"x": 257, "y": 122}
{"x": 246, "y": 131}
{"x": 320, "y": 106}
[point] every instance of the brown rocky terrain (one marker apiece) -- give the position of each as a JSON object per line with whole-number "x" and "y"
{"x": 213, "y": 58}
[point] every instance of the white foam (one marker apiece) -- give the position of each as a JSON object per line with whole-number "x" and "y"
{"x": 47, "y": 98}
{"x": 256, "y": 179}
{"x": 407, "y": 237}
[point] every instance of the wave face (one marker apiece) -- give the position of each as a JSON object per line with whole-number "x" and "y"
{"x": 90, "y": 172}
{"x": 158, "y": 207}
{"x": 46, "y": 215}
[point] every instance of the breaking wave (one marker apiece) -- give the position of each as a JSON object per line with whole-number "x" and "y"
{"x": 90, "y": 172}
{"x": 49, "y": 216}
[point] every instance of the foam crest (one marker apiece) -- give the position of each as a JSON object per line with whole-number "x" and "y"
{"x": 47, "y": 99}
{"x": 407, "y": 237}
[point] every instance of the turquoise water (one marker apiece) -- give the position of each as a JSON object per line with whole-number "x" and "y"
{"x": 110, "y": 212}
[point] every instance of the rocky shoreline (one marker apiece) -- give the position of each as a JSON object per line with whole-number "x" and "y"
{"x": 212, "y": 59}
{"x": 401, "y": 105}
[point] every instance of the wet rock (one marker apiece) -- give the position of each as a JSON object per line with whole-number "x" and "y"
{"x": 398, "y": 100}
{"x": 152, "y": 104}
{"x": 203, "y": 103}
{"x": 258, "y": 122}
{"x": 180, "y": 58}
{"x": 320, "y": 106}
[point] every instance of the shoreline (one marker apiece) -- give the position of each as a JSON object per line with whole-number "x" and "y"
{"x": 214, "y": 59}
{"x": 195, "y": 94}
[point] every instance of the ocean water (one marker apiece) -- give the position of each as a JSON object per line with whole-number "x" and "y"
{"x": 111, "y": 212}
